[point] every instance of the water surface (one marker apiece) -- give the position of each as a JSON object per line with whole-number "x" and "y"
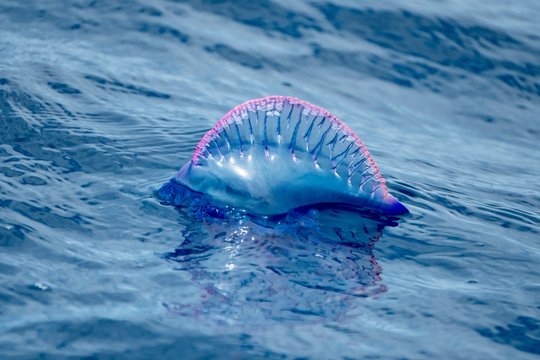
{"x": 101, "y": 102}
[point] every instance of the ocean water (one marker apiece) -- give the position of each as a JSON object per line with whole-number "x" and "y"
{"x": 101, "y": 102}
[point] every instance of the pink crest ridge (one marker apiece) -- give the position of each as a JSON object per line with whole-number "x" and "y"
{"x": 277, "y": 102}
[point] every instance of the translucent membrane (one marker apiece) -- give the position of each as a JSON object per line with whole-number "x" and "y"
{"x": 277, "y": 153}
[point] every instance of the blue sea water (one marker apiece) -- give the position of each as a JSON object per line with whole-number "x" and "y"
{"x": 101, "y": 102}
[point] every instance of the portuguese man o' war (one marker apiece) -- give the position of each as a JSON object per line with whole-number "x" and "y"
{"x": 275, "y": 154}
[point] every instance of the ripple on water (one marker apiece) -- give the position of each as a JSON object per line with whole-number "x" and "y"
{"x": 101, "y": 102}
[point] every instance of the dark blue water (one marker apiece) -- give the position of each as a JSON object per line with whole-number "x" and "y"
{"x": 102, "y": 101}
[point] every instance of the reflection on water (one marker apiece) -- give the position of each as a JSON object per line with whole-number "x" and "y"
{"x": 305, "y": 266}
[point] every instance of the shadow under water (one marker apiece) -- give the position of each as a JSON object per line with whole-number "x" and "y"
{"x": 307, "y": 265}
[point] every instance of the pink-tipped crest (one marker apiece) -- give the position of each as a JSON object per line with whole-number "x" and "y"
{"x": 277, "y": 153}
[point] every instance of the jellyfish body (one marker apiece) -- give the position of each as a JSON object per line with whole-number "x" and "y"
{"x": 278, "y": 153}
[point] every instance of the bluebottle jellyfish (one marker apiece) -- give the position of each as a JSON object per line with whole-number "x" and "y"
{"x": 275, "y": 154}
{"x": 275, "y": 186}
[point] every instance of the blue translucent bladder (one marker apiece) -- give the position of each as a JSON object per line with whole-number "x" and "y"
{"x": 275, "y": 154}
